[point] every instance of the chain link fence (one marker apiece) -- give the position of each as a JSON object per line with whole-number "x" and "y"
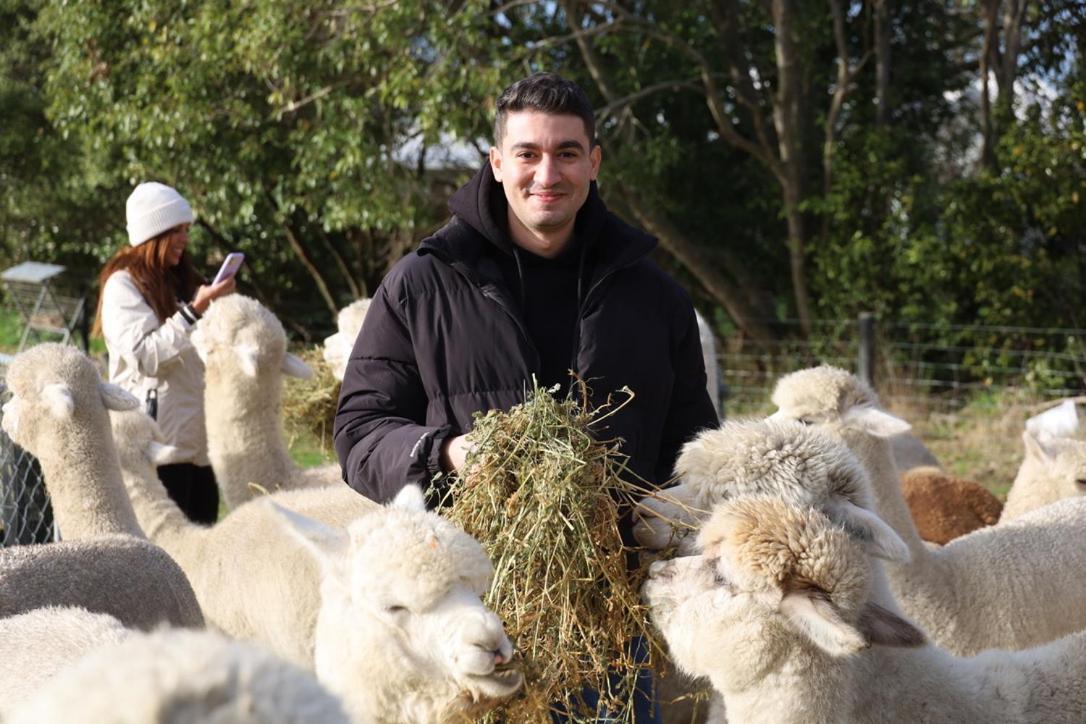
{"x": 25, "y": 514}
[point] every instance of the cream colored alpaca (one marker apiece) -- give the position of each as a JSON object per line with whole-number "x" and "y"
{"x": 180, "y": 677}
{"x": 252, "y": 580}
{"x": 778, "y": 613}
{"x": 35, "y": 646}
{"x": 337, "y": 347}
{"x": 410, "y": 583}
{"x": 1052, "y": 469}
{"x": 255, "y": 581}
{"x": 1003, "y": 586}
{"x": 245, "y": 355}
{"x": 58, "y": 412}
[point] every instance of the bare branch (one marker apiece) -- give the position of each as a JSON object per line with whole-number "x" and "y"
{"x": 619, "y": 104}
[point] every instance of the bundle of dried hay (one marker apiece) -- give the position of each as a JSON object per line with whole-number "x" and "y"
{"x": 544, "y": 498}
{"x": 309, "y": 406}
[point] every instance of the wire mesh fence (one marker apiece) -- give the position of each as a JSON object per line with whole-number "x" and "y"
{"x": 25, "y": 514}
{"x": 938, "y": 367}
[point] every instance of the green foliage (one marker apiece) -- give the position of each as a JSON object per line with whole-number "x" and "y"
{"x": 308, "y": 133}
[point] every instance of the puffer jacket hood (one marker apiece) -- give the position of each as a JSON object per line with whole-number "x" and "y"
{"x": 480, "y": 205}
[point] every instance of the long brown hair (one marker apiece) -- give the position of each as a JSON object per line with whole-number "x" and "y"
{"x": 160, "y": 284}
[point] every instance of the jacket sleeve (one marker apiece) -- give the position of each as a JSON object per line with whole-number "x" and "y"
{"x": 133, "y": 330}
{"x": 691, "y": 410}
{"x": 380, "y": 436}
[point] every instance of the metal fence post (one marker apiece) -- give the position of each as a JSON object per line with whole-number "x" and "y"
{"x": 865, "y": 359}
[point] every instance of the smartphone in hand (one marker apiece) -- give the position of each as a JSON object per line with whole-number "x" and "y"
{"x": 229, "y": 266}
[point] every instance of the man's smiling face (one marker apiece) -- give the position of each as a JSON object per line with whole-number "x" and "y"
{"x": 545, "y": 164}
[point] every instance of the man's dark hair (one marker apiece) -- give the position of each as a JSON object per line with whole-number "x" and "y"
{"x": 546, "y": 93}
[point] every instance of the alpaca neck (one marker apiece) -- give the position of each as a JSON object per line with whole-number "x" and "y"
{"x": 876, "y": 455}
{"x": 163, "y": 522}
{"x": 878, "y": 685}
{"x": 85, "y": 486}
{"x": 808, "y": 687}
{"x": 1033, "y": 487}
{"x": 245, "y": 436}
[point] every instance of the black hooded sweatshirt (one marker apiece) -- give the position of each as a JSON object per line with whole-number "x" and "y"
{"x": 462, "y": 324}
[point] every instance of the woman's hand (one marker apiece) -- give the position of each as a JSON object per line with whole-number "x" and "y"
{"x": 208, "y": 293}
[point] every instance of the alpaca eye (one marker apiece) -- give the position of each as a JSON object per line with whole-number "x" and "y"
{"x": 396, "y": 609}
{"x": 1081, "y": 482}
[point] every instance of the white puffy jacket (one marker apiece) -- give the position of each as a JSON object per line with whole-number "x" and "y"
{"x": 146, "y": 354}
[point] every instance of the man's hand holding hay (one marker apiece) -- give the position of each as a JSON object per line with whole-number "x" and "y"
{"x": 544, "y": 497}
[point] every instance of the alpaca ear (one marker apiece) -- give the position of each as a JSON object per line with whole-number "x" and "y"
{"x": 247, "y": 357}
{"x": 328, "y": 545}
{"x": 876, "y": 536}
{"x": 875, "y": 422}
{"x": 117, "y": 398}
{"x": 813, "y": 616}
{"x": 410, "y": 497}
{"x": 293, "y": 366}
{"x": 886, "y": 628}
{"x": 159, "y": 453}
{"x": 1035, "y": 449}
{"x": 58, "y": 401}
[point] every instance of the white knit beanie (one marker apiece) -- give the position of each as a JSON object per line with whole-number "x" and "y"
{"x": 153, "y": 208}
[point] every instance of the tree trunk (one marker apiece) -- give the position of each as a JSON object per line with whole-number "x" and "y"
{"x": 690, "y": 256}
{"x": 311, "y": 267}
{"x": 987, "y": 152}
{"x": 787, "y": 118}
{"x": 882, "y": 64}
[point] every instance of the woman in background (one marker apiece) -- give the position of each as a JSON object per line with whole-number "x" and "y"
{"x": 150, "y": 301}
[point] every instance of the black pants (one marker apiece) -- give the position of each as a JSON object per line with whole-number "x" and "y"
{"x": 194, "y": 489}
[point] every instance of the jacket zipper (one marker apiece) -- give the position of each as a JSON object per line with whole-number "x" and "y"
{"x": 491, "y": 293}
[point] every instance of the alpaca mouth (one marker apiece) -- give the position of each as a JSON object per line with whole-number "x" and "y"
{"x": 502, "y": 681}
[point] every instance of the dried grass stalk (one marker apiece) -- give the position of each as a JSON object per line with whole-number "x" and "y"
{"x": 544, "y": 497}
{"x": 309, "y": 406}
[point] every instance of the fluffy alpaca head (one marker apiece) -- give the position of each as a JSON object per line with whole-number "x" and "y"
{"x": 1060, "y": 461}
{"x": 240, "y": 338}
{"x": 796, "y": 462}
{"x": 412, "y": 582}
{"x": 56, "y": 387}
{"x": 337, "y": 347}
{"x": 775, "y": 579}
{"x": 178, "y": 676}
{"x": 830, "y": 395}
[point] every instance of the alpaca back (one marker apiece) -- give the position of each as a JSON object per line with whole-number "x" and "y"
{"x": 128, "y": 578}
{"x": 35, "y": 646}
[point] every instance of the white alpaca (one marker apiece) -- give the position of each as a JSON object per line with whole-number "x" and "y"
{"x": 1000, "y": 586}
{"x": 256, "y": 582}
{"x": 752, "y": 457}
{"x": 245, "y": 355}
{"x": 777, "y": 612}
{"x": 1053, "y": 468}
{"x": 337, "y": 347}
{"x": 36, "y": 645}
{"x": 180, "y": 677}
{"x": 411, "y": 583}
{"x": 58, "y": 412}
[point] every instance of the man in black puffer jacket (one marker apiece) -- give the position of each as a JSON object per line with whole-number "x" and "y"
{"x": 532, "y": 276}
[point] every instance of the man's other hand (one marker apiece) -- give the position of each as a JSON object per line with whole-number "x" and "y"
{"x": 454, "y": 452}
